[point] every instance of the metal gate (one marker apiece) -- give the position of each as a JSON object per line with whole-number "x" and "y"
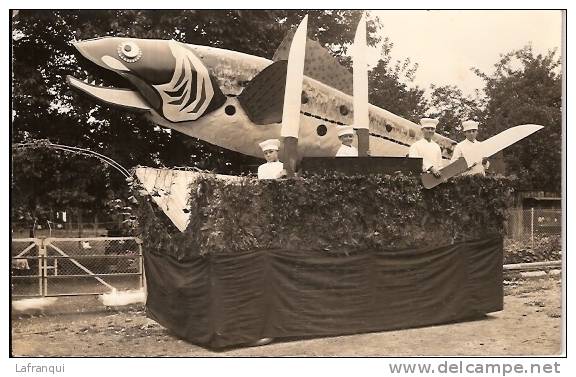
{"x": 75, "y": 266}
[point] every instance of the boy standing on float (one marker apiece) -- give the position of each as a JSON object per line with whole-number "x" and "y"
{"x": 427, "y": 149}
{"x": 346, "y": 136}
{"x": 471, "y": 150}
{"x": 273, "y": 168}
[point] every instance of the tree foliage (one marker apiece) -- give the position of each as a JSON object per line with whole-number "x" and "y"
{"x": 526, "y": 88}
{"x": 451, "y": 107}
{"x": 356, "y": 213}
{"x": 72, "y": 182}
{"x": 44, "y": 106}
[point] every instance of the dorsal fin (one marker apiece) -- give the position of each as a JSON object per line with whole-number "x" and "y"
{"x": 319, "y": 64}
{"x": 263, "y": 98}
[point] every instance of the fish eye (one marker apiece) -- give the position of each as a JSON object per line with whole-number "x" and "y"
{"x": 129, "y": 52}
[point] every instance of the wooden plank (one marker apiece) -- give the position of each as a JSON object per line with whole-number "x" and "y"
{"x": 290, "y": 130}
{"x": 360, "y": 88}
{"x": 508, "y": 137}
{"x": 294, "y": 79}
{"x": 457, "y": 167}
{"x": 361, "y": 165}
{"x": 533, "y": 266}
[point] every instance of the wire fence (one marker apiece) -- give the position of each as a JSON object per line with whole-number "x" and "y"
{"x": 52, "y": 265}
{"x": 68, "y": 229}
{"x": 75, "y": 266}
{"x": 533, "y": 235}
{"x": 529, "y": 225}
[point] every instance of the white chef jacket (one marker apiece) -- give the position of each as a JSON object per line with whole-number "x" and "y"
{"x": 472, "y": 152}
{"x": 429, "y": 151}
{"x": 347, "y": 151}
{"x": 271, "y": 170}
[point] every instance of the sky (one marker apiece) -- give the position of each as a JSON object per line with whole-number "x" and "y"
{"x": 446, "y": 44}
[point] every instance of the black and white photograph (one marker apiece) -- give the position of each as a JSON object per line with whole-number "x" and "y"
{"x": 288, "y": 183}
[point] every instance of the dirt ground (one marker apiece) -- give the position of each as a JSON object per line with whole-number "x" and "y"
{"x": 530, "y": 324}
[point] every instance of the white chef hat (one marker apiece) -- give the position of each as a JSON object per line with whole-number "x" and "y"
{"x": 428, "y": 122}
{"x": 345, "y": 130}
{"x": 270, "y": 145}
{"x": 470, "y": 125}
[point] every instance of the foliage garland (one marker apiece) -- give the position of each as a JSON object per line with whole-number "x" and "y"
{"x": 334, "y": 213}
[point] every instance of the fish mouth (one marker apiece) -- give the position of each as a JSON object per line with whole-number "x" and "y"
{"x": 114, "y": 96}
{"x": 165, "y": 76}
{"x": 104, "y": 84}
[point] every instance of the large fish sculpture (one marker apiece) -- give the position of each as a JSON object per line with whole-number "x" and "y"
{"x": 234, "y": 100}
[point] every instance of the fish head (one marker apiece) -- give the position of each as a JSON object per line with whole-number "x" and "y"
{"x": 165, "y": 77}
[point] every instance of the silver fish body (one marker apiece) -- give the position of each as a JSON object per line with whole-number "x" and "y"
{"x": 196, "y": 90}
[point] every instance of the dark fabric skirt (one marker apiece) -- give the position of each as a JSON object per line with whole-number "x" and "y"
{"x": 228, "y": 300}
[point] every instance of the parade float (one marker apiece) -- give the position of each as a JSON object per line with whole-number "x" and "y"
{"x": 230, "y": 260}
{"x": 324, "y": 255}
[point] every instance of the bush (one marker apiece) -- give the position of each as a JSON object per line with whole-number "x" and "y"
{"x": 546, "y": 248}
{"x": 335, "y": 213}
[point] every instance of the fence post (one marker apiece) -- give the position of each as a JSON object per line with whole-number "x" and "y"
{"x": 80, "y": 224}
{"x": 532, "y": 227}
{"x": 39, "y": 255}
{"x": 42, "y": 270}
{"x": 140, "y": 263}
{"x": 516, "y": 223}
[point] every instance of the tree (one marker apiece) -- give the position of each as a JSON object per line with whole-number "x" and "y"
{"x": 39, "y": 192}
{"x": 527, "y": 88}
{"x": 451, "y": 107}
{"x": 44, "y": 106}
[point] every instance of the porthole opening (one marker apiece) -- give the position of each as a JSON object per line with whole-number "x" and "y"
{"x": 321, "y": 130}
{"x": 230, "y": 110}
